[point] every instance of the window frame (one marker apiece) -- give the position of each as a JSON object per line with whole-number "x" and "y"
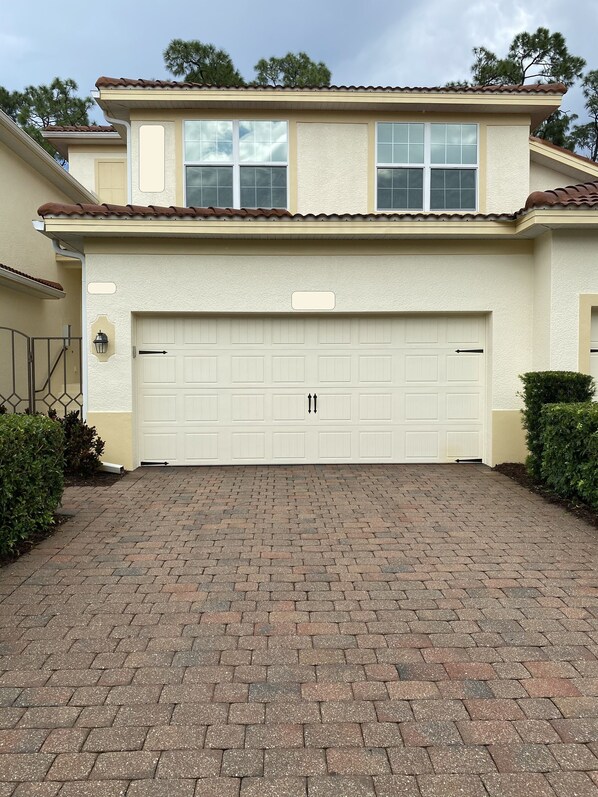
{"x": 427, "y": 167}
{"x": 236, "y": 164}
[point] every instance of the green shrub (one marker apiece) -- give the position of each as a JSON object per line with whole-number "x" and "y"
{"x": 548, "y": 387}
{"x": 82, "y": 446}
{"x": 31, "y": 476}
{"x": 570, "y": 456}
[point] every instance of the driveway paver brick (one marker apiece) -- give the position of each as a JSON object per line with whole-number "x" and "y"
{"x": 338, "y": 631}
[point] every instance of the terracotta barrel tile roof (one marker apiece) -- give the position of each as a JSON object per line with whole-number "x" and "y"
{"x": 54, "y": 209}
{"x": 582, "y": 195}
{"x": 49, "y": 283}
{"x": 140, "y": 83}
{"x": 79, "y": 129}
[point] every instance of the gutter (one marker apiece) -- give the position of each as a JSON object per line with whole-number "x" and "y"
{"x": 31, "y": 285}
{"x": 84, "y": 350}
{"x": 127, "y": 126}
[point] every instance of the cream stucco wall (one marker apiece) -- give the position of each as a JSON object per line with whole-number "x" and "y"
{"x": 168, "y": 195}
{"x": 541, "y": 178}
{"x": 332, "y": 163}
{"x": 507, "y": 167}
{"x": 83, "y": 160}
{"x": 22, "y": 191}
{"x": 368, "y": 279}
{"x": 574, "y": 274}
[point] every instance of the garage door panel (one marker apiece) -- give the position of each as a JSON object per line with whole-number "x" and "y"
{"x": 376, "y": 445}
{"x": 375, "y": 368}
{"x": 200, "y": 408}
{"x": 232, "y": 389}
{"x": 201, "y": 447}
{"x": 158, "y": 370}
{"x": 421, "y": 368}
{"x": 200, "y": 331}
{"x": 288, "y": 368}
{"x": 200, "y": 370}
{"x": 463, "y": 444}
{"x": 289, "y": 445}
{"x": 375, "y": 406}
{"x": 334, "y": 406}
{"x": 463, "y": 406}
{"x": 421, "y": 407}
{"x": 248, "y": 445}
{"x": 463, "y": 368}
{"x": 334, "y": 369}
{"x": 422, "y": 445}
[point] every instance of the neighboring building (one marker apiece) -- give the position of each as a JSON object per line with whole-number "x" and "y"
{"x": 380, "y": 304}
{"x": 40, "y": 295}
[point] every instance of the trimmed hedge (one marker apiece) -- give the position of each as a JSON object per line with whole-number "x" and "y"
{"x": 548, "y": 387}
{"x": 570, "y": 456}
{"x": 31, "y": 476}
{"x": 82, "y": 446}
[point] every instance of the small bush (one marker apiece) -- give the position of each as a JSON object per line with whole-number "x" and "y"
{"x": 31, "y": 476}
{"x": 82, "y": 446}
{"x": 570, "y": 455}
{"x": 548, "y": 387}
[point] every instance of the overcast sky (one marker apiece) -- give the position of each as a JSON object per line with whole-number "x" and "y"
{"x": 375, "y": 42}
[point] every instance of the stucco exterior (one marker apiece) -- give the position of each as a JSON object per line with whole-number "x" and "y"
{"x": 332, "y": 160}
{"x": 530, "y": 274}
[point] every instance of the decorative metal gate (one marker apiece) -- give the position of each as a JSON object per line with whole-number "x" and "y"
{"x": 38, "y": 374}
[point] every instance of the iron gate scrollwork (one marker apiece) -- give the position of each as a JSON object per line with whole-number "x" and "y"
{"x": 38, "y": 374}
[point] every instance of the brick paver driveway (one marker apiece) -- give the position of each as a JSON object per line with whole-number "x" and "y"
{"x": 322, "y": 631}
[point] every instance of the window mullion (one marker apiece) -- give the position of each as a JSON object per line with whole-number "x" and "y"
{"x": 236, "y": 167}
{"x": 427, "y": 165}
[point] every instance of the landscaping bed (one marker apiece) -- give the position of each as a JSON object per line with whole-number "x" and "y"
{"x": 519, "y": 474}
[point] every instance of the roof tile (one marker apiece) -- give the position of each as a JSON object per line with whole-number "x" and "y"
{"x": 54, "y": 209}
{"x": 49, "y": 283}
{"x": 140, "y": 83}
{"x": 581, "y": 195}
{"x": 79, "y": 129}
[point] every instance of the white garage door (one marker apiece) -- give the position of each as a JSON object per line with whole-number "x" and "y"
{"x": 278, "y": 389}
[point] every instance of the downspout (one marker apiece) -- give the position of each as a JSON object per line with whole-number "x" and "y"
{"x": 127, "y": 125}
{"x": 84, "y": 353}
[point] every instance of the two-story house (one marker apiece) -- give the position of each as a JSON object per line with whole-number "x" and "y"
{"x": 343, "y": 274}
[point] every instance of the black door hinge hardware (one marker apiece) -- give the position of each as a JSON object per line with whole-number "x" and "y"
{"x": 145, "y": 351}
{"x": 315, "y": 402}
{"x": 151, "y": 462}
{"x": 471, "y": 461}
{"x": 469, "y": 351}
{"x": 593, "y": 351}
{"x": 309, "y": 402}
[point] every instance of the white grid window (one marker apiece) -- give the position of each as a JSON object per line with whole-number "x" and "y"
{"x": 236, "y": 164}
{"x": 423, "y": 166}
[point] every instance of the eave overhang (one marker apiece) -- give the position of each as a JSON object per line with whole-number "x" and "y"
{"x": 120, "y": 102}
{"x": 29, "y": 285}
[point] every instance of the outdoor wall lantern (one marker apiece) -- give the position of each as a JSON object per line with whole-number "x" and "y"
{"x": 101, "y": 342}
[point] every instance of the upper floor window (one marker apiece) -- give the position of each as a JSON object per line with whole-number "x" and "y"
{"x": 422, "y": 166}
{"x": 236, "y": 164}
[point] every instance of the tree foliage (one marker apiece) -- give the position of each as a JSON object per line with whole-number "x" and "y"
{"x": 540, "y": 57}
{"x": 37, "y": 107}
{"x": 292, "y": 70}
{"x": 543, "y": 57}
{"x": 201, "y": 63}
{"x": 585, "y": 136}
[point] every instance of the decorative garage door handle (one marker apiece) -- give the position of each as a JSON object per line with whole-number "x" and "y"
{"x": 144, "y": 351}
{"x": 315, "y": 402}
{"x": 469, "y": 351}
{"x": 309, "y": 402}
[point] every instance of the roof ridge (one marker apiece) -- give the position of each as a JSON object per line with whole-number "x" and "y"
{"x": 530, "y": 88}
